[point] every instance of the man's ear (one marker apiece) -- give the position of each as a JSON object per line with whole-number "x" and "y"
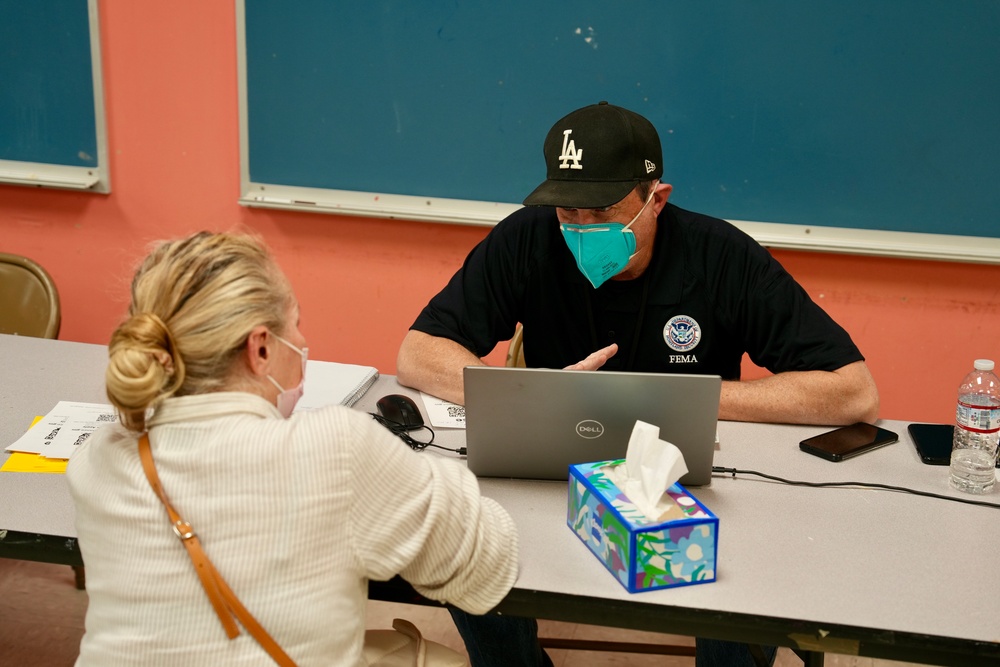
{"x": 663, "y": 191}
{"x": 257, "y": 354}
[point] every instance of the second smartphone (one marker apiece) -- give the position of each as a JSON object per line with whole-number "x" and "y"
{"x": 847, "y": 441}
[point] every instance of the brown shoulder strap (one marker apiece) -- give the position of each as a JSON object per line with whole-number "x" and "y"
{"x": 227, "y": 606}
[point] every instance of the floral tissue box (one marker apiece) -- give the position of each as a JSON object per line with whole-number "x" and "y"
{"x": 678, "y": 548}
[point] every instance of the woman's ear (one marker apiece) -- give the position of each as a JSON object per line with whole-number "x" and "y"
{"x": 257, "y": 355}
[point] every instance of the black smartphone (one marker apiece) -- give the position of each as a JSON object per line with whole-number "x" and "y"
{"x": 847, "y": 441}
{"x": 933, "y": 442}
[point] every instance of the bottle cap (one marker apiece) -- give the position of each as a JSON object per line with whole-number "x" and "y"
{"x": 983, "y": 364}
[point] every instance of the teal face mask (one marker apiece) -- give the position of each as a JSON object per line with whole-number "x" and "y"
{"x": 602, "y": 249}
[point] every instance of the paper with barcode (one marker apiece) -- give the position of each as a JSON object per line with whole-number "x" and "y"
{"x": 443, "y": 414}
{"x": 64, "y": 429}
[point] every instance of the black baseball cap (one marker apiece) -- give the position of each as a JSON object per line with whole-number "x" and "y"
{"x": 595, "y": 156}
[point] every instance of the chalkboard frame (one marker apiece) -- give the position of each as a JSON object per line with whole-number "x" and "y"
{"x": 93, "y": 178}
{"x": 851, "y": 240}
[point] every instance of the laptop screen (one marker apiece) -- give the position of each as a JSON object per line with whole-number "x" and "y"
{"x": 533, "y": 423}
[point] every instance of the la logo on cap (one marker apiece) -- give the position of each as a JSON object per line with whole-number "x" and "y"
{"x": 570, "y": 153}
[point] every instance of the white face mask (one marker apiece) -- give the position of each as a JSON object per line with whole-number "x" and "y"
{"x": 287, "y": 398}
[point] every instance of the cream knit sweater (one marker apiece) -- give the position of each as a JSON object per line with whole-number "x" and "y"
{"x": 295, "y": 514}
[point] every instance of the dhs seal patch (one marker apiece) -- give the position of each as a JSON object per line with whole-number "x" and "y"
{"x": 682, "y": 333}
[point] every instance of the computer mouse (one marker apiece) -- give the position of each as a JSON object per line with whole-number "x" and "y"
{"x": 400, "y": 409}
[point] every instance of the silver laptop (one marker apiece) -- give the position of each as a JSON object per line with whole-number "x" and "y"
{"x": 532, "y": 423}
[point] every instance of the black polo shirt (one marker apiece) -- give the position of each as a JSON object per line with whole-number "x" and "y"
{"x": 710, "y": 294}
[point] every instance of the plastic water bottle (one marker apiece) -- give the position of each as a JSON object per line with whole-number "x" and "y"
{"x": 977, "y": 430}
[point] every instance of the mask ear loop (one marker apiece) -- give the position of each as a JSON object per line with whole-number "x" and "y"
{"x": 652, "y": 193}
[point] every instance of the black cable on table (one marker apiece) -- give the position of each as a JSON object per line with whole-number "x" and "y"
{"x": 402, "y": 431}
{"x": 873, "y": 485}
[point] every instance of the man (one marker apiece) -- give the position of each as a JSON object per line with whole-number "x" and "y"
{"x": 603, "y": 273}
{"x": 688, "y": 294}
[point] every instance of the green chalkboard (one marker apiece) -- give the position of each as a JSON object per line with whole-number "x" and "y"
{"x": 51, "y": 106}
{"x": 876, "y": 116}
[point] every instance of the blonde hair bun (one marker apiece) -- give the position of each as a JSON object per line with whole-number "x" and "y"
{"x": 142, "y": 366}
{"x": 194, "y": 302}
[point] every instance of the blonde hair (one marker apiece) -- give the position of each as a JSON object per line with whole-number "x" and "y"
{"x": 194, "y": 303}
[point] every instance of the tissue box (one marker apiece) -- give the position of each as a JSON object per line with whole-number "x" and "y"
{"x": 643, "y": 554}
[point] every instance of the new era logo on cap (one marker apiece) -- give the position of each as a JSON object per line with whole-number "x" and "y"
{"x": 622, "y": 148}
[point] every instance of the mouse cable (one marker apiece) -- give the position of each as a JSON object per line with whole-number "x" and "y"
{"x": 903, "y": 489}
{"x": 403, "y": 433}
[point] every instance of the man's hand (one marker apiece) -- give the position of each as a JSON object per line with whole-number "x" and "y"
{"x": 595, "y": 360}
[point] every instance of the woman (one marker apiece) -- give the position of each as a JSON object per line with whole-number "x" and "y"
{"x": 295, "y": 512}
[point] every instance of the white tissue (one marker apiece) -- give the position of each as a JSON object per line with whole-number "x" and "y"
{"x": 651, "y": 467}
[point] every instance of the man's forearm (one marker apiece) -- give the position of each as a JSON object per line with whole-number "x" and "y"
{"x": 434, "y": 365}
{"x": 844, "y": 396}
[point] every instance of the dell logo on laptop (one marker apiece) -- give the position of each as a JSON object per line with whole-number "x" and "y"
{"x": 589, "y": 428}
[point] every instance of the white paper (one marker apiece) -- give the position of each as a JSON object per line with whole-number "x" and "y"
{"x": 74, "y": 432}
{"x": 651, "y": 467}
{"x": 40, "y": 438}
{"x": 443, "y": 414}
{"x": 333, "y": 383}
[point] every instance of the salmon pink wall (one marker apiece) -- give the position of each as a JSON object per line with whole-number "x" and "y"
{"x": 171, "y": 100}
